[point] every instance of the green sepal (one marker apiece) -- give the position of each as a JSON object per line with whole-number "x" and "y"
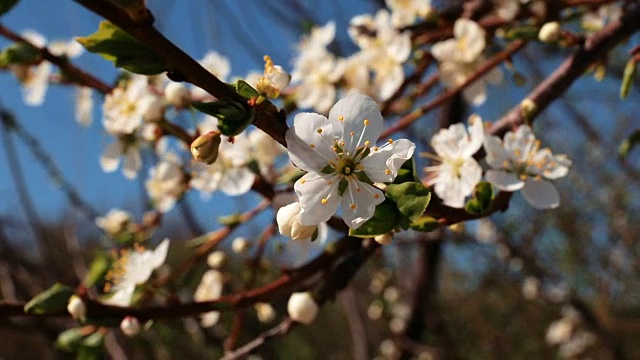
{"x": 407, "y": 172}
{"x": 627, "y": 78}
{"x": 19, "y": 53}
{"x": 328, "y": 170}
{"x": 51, "y": 301}
{"x": 69, "y": 340}
{"x": 481, "y": 200}
{"x": 629, "y": 143}
{"x": 243, "y": 88}
{"x": 425, "y": 224}
{"x": 342, "y": 186}
{"x": 232, "y": 116}
{"x": 117, "y": 46}
{"x": 411, "y": 198}
{"x": 386, "y": 218}
{"x": 6, "y": 5}
{"x": 97, "y": 270}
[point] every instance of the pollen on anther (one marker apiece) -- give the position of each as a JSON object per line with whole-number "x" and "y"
{"x": 302, "y": 181}
{"x": 324, "y": 201}
{"x": 366, "y": 143}
{"x": 312, "y": 146}
{"x": 387, "y": 171}
{"x": 340, "y": 118}
{"x": 352, "y": 133}
{"x": 353, "y": 206}
{"x": 366, "y": 122}
{"x": 375, "y": 148}
{"x": 319, "y": 131}
{"x": 390, "y": 141}
{"x": 376, "y": 196}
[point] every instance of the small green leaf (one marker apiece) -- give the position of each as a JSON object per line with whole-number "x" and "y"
{"x": 97, "y": 270}
{"x": 69, "y": 340}
{"x": 425, "y": 224}
{"x": 482, "y": 198}
{"x": 627, "y": 78}
{"x": 411, "y": 198}
{"x": 527, "y": 32}
{"x": 407, "y": 173}
{"x": 52, "y": 300}
{"x": 232, "y": 117}
{"x": 94, "y": 340}
{"x": 230, "y": 220}
{"x": 19, "y": 53}
{"x": 116, "y": 45}
{"x": 629, "y": 143}
{"x": 243, "y": 88}
{"x": 6, "y": 5}
{"x": 385, "y": 219}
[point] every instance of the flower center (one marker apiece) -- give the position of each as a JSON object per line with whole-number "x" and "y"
{"x": 345, "y": 166}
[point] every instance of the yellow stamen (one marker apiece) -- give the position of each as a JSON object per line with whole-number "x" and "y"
{"x": 319, "y": 131}
{"x": 353, "y": 206}
{"x": 324, "y": 201}
{"x": 366, "y": 122}
{"x": 390, "y": 141}
{"x": 340, "y": 118}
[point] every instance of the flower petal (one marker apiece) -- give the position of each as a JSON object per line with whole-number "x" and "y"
{"x": 354, "y": 110}
{"x": 309, "y": 141}
{"x": 318, "y": 197}
{"x": 132, "y": 163}
{"x": 359, "y": 203}
{"x": 496, "y": 154}
{"x": 110, "y": 159}
{"x": 503, "y": 180}
{"x": 541, "y": 194}
{"x": 383, "y": 165}
{"x": 237, "y": 181}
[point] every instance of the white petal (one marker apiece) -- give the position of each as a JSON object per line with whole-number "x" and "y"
{"x": 354, "y": 110}
{"x": 389, "y": 157}
{"x": 160, "y": 254}
{"x": 503, "y": 180}
{"x": 445, "y": 50}
{"x": 476, "y": 136}
{"x": 132, "y": 163}
{"x": 359, "y": 203}
{"x": 475, "y": 93}
{"x": 237, "y": 181}
{"x": 541, "y": 194}
{"x": 311, "y": 190}
{"x": 122, "y": 296}
{"x": 496, "y": 154}
{"x": 110, "y": 159}
{"x": 309, "y": 149}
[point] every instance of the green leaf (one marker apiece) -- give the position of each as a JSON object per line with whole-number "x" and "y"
{"x": 69, "y": 340}
{"x": 243, "y": 88}
{"x": 232, "y": 117}
{"x": 116, "y": 45}
{"x": 6, "y": 5}
{"x": 411, "y": 198}
{"x": 19, "y": 53}
{"x": 425, "y": 224}
{"x": 629, "y": 143}
{"x": 97, "y": 270}
{"x": 385, "y": 219}
{"x": 407, "y": 173}
{"x": 482, "y": 198}
{"x": 230, "y": 220}
{"x": 627, "y": 78}
{"x": 52, "y": 300}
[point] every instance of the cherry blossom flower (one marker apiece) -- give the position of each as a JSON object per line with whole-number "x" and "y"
{"x": 458, "y": 172}
{"x": 84, "y": 105}
{"x": 122, "y": 147}
{"x": 518, "y": 163}
{"x": 288, "y": 224}
{"x": 115, "y": 222}
{"x": 274, "y": 79}
{"x": 341, "y": 161}
{"x": 210, "y": 288}
{"x": 166, "y": 183}
{"x": 405, "y": 12}
{"x": 133, "y": 268}
{"x": 461, "y": 56}
{"x": 126, "y": 107}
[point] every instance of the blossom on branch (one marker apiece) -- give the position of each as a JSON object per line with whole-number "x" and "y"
{"x": 342, "y": 162}
{"x": 518, "y": 163}
{"x": 166, "y": 183}
{"x": 458, "y": 172}
{"x": 405, "y": 12}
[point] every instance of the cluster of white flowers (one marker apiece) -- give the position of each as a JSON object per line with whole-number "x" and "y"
{"x": 516, "y": 163}
{"x": 461, "y": 56}
{"x": 569, "y": 335}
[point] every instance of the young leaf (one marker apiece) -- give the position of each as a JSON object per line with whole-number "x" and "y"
{"x": 243, "y": 88}
{"x": 482, "y": 198}
{"x": 425, "y": 224}
{"x": 232, "y": 117}
{"x": 19, "y": 53}
{"x": 411, "y": 198}
{"x": 52, "y": 300}
{"x": 115, "y": 45}
{"x": 385, "y": 219}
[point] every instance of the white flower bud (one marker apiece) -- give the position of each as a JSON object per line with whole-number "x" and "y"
{"x": 177, "y": 94}
{"x": 240, "y": 245}
{"x": 265, "y": 312}
{"x": 302, "y": 307}
{"x": 76, "y": 307}
{"x": 550, "y": 32}
{"x": 216, "y": 259}
{"x": 205, "y": 147}
{"x": 130, "y": 326}
{"x": 288, "y": 223}
{"x": 384, "y": 239}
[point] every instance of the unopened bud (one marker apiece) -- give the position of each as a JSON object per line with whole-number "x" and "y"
{"x": 216, "y": 259}
{"x": 384, "y": 239}
{"x": 77, "y": 308}
{"x": 550, "y": 32}
{"x": 240, "y": 245}
{"x": 205, "y": 147}
{"x": 289, "y": 225}
{"x": 529, "y": 109}
{"x": 265, "y": 312}
{"x": 130, "y": 326}
{"x": 177, "y": 94}
{"x": 275, "y": 79}
{"x": 302, "y": 307}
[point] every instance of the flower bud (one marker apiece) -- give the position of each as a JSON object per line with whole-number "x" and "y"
{"x": 265, "y": 312}
{"x": 130, "y": 326}
{"x": 205, "y": 147}
{"x": 240, "y": 245}
{"x": 77, "y": 308}
{"x": 384, "y": 239}
{"x": 302, "y": 307}
{"x": 177, "y": 95}
{"x": 216, "y": 259}
{"x": 288, "y": 223}
{"x": 550, "y": 32}
{"x": 275, "y": 79}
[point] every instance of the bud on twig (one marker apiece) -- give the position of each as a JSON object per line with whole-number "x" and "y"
{"x": 205, "y": 147}
{"x": 550, "y": 32}
{"x": 77, "y": 308}
{"x": 130, "y": 326}
{"x": 302, "y": 307}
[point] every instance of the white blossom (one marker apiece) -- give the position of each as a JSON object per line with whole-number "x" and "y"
{"x": 115, "y": 222}
{"x": 274, "y": 79}
{"x": 122, "y": 147}
{"x": 134, "y": 267}
{"x": 166, "y": 183}
{"x": 210, "y": 288}
{"x": 550, "y": 32}
{"x": 130, "y": 326}
{"x": 518, "y": 163}
{"x": 405, "y": 12}
{"x": 77, "y": 308}
{"x": 302, "y": 307}
{"x": 216, "y": 259}
{"x": 84, "y": 105}
{"x": 289, "y": 225}
{"x": 177, "y": 94}
{"x": 342, "y": 162}
{"x": 265, "y": 312}
{"x": 596, "y": 20}
{"x": 458, "y": 172}
{"x": 125, "y": 108}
